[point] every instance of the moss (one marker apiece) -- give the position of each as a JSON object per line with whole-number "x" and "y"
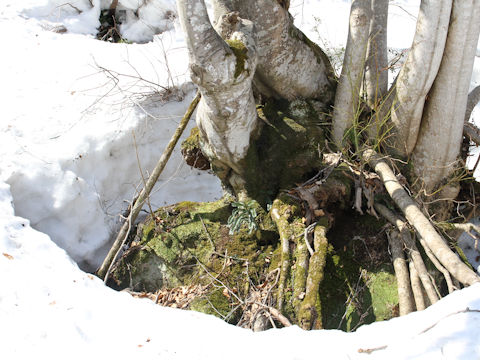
{"x": 240, "y": 51}
{"x": 383, "y": 289}
{"x": 183, "y": 235}
{"x": 286, "y": 151}
{"x": 192, "y": 141}
{"x": 216, "y": 303}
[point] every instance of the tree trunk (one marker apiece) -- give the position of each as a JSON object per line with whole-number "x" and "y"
{"x": 438, "y": 146}
{"x": 226, "y": 115}
{"x": 289, "y": 64}
{"x": 348, "y": 93}
{"x": 418, "y": 73}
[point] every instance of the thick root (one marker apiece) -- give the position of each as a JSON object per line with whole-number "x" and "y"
{"x": 405, "y": 296}
{"x": 419, "y": 221}
{"x": 309, "y": 316}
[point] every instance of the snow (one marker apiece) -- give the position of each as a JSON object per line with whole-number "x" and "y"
{"x": 68, "y": 167}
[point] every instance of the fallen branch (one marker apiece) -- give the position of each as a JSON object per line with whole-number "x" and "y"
{"x": 401, "y": 225}
{"x": 308, "y": 314}
{"x": 419, "y": 221}
{"x": 137, "y": 205}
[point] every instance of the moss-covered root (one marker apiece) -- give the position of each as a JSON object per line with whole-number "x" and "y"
{"x": 280, "y": 215}
{"x": 309, "y": 314}
{"x": 286, "y": 215}
{"x": 301, "y": 271}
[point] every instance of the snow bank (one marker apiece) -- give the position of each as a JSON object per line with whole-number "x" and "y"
{"x": 141, "y": 20}
{"x": 75, "y": 114}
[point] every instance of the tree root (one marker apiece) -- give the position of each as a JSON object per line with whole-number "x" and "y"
{"x": 309, "y": 316}
{"x": 419, "y": 221}
{"x": 405, "y": 299}
{"x": 280, "y": 215}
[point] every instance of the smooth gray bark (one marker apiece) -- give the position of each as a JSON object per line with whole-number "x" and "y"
{"x": 418, "y": 73}
{"x": 348, "y": 91}
{"x": 438, "y": 147}
{"x": 289, "y": 65}
{"x": 376, "y": 67}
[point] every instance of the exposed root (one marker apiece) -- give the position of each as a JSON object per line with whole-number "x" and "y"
{"x": 405, "y": 296}
{"x": 416, "y": 287}
{"x": 309, "y": 315}
{"x": 280, "y": 215}
{"x": 420, "y": 222}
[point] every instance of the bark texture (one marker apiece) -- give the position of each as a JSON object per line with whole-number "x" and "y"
{"x": 223, "y": 71}
{"x": 438, "y": 147}
{"x": 289, "y": 64}
{"x": 348, "y": 91}
{"x": 418, "y": 73}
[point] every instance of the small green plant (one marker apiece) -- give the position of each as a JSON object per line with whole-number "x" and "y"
{"x": 243, "y": 213}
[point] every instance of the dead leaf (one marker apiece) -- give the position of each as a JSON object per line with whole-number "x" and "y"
{"x": 226, "y": 293}
{"x": 8, "y": 256}
{"x": 319, "y": 212}
{"x": 53, "y": 303}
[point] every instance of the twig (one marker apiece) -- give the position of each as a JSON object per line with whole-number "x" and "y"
{"x": 208, "y": 234}
{"x": 141, "y": 171}
{"x": 276, "y": 314}
{"x": 143, "y": 196}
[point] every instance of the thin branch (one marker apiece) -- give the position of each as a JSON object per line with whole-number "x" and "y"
{"x": 473, "y": 100}
{"x": 143, "y": 196}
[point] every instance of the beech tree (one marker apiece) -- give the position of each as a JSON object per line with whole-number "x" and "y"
{"x": 251, "y": 52}
{"x": 283, "y": 132}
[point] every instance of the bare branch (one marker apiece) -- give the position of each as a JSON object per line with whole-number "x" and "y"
{"x": 473, "y": 100}
{"x": 405, "y": 296}
{"x": 416, "y": 287}
{"x": 122, "y": 235}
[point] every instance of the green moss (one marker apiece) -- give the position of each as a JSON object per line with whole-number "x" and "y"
{"x": 192, "y": 142}
{"x": 286, "y": 152}
{"x": 383, "y": 289}
{"x": 240, "y": 51}
{"x": 215, "y": 303}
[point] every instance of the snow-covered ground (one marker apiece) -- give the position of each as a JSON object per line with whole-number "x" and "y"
{"x": 74, "y": 116}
